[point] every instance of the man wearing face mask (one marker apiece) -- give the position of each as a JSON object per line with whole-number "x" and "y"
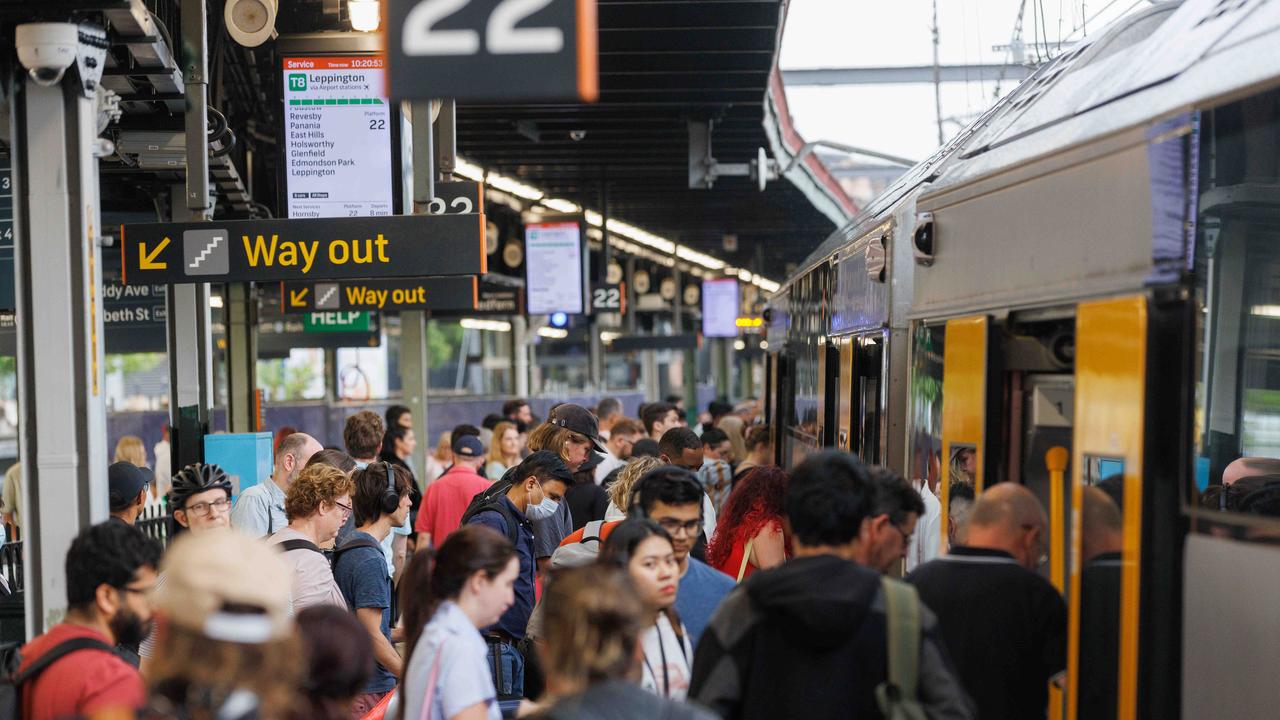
{"x": 71, "y": 670}
{"x": 537, "y": 486}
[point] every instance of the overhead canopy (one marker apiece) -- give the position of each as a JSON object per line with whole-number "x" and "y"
{"x": 662, "y": 65}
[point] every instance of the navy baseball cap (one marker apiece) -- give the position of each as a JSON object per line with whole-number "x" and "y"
{"x": 468, "y": 446}
{"x": 125, "y": 480}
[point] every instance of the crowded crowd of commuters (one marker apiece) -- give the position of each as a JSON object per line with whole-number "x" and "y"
{"x": 588, "y": 565}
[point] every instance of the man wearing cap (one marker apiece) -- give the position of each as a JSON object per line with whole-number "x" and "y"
{"x": 448, "y": 497}
{"x": 259, "y": 511}
{"x": 128, "y": 486}
{"x": 111, "y": 569}
{"x": 571, "y": 431}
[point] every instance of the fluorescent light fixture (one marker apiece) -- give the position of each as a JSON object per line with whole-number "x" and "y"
{"x": 553, "y": 333}
{"x": 560, "y": 205}
{"x": 739, "y": 345}
{"x": 593, "y": 218}
{"x": 764, "y": 344}
{"x": 491, "y": 325}
{"x": 365, "y": 14}
{"x": 608, "y": 336}
{"x": 515, "y": 187}
{"x": 215, "y": 301}
{"x": 1271, "y": 311}
{"x": 470, "y": 171}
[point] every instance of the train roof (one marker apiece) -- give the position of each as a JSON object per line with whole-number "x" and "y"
{"x": 1166, "y": 60}
{"x": 1044, "y": 98}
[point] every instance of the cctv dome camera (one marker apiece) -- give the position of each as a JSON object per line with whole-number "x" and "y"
{"x": 47, "y": 50}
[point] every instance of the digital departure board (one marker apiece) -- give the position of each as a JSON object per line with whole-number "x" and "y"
{"x": 337, "y": 137}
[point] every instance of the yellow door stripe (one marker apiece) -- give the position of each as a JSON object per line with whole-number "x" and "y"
{"x": 964, "y": 392}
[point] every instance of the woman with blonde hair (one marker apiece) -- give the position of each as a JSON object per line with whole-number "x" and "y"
{"x": 438, "y": 459}
{"x": 504, "y": 450}
{"x": 130, "y": 449}
{"x": 595, "y": 619}
{"x": 620, "y": 491}
{"x": 733, "y": 426}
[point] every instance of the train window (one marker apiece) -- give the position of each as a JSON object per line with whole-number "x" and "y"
{"x": 1101, "y": 541}
{"x": 1237, "y": 276}
{"x": 926, "y": 404}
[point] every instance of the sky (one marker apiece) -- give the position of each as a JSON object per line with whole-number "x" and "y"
{"x": 901, "y": 119}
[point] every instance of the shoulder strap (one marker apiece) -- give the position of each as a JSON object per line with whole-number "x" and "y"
{"x": 353, "y": 544}
{"x": 298, "y": 544}
{"x": 591, "y": 531}
{"x": 902, "y": 608}
{"x": 746, "y": 555}
{"x": 57, "y": 652}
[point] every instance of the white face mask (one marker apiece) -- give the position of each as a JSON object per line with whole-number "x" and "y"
{"x": 542, "y": 510}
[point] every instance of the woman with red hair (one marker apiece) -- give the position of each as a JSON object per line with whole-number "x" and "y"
{"x": 749, "y": 534}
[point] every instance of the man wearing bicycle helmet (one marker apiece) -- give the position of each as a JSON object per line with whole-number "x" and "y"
{"x": 200, "y": 500}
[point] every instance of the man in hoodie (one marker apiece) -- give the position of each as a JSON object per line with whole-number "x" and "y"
{"x": 820, "y": 611}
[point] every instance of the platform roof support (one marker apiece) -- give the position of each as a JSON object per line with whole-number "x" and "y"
{"x": 62, "y": 425}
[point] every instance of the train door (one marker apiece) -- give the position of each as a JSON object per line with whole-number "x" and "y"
{"x": 971, "y": 438}
{"x": 1107, "y": 509}
{"x": 844, "y": 400}
{"x": 830, "y": 375}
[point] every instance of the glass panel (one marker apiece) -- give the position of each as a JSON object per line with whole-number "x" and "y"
{"x": 925, "y": 464}
{"x": 1101, "y": 540}
{"x": 1237, "y": 274}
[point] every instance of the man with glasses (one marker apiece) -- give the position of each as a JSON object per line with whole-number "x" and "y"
{"x": 318, "y": 504}
{"x": 72, "y": 670}
{"x": 1002, "y": 623}
{"x": 200, "y": 500}
{"x": 259, "y": 510}
{"x": 885, "y": 534}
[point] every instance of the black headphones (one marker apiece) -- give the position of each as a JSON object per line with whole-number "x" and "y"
{"x": 390, "y": 498}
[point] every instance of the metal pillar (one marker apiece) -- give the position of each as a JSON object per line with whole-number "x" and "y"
{"x": 446, "y": 140}
{"x": 414, "y": 366}
{"x": 520, "y": 353}
{"x": 190, "y": 327}
{"x": 241, "y": 311}
{"x": 62, "y": 422}
{"x": 720, "y": 357}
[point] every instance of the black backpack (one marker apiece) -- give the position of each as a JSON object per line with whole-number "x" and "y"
{"x": 11, "y": 680}
{"x": 491, "y": 499}
{"x": 330, "y": 555}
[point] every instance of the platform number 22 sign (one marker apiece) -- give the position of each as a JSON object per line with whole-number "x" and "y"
{"x": 420, "y": 36}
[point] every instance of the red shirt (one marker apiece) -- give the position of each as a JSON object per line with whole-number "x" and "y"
{"x": 445, "y": 501}
{"x": 84, "y": 682}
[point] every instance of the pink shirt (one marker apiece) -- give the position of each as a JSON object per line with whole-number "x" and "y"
{"x": 445, "y": 501}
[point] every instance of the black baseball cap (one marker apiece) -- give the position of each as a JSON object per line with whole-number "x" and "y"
{"x": 125, "y": 480}
{"x": 578, "y": 419}
{"x": 468, "y": 446}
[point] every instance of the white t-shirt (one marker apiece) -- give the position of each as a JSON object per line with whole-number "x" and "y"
{"x": 667, "y": 660}
{"x": 928, "y": 536}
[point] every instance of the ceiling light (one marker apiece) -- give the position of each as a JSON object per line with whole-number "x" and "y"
{"x": 365, "y": 14}
{"x": 491, "y": 325}
{"x": 515, "y": 187}
{"x": 553, "y": 333}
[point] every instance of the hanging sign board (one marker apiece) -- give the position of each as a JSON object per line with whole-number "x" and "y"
{"x": 555, "y": 267}
{"x": 337, "y": 141}
{"x": 8, "y": 300}
{"x": 492, "y": 49}
{"x": 430, "y": 293}
{"x": 264, "y": 250}
{"x": 720, "y": 308}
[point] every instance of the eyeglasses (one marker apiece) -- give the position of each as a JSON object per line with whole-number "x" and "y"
{"x": 203, "y": 509}
{"x": 346, "y": 509}
{"x": 906, "y": 536}
{"x": 673, "y": 526}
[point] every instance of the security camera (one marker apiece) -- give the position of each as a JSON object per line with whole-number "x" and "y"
{"x": 250, "y": 22}
{"x": 47, "y": 50}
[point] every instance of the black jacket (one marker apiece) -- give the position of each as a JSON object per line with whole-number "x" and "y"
{"x": 1005, "y": 627}
{"x": 808, "y": 639}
